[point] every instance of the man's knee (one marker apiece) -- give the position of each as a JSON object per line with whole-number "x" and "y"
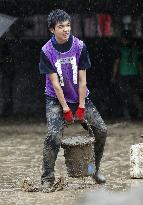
{"x": 53, "y": 141}
{"x": 100, "y": 134}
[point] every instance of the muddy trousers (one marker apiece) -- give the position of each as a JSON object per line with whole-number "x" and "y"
{"x": 100, "y": 138}
{"x": 56, "y": 125}
{"x": 50, "y": 152}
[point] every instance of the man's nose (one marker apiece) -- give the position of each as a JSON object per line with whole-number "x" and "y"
{"x": 66, "y": 28}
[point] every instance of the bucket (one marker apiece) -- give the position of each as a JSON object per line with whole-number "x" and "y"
{"x": 79, "y": 155}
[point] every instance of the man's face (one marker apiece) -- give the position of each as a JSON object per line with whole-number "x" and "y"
{"x": 125, "y": 41}
{"x": 62, "y": 31}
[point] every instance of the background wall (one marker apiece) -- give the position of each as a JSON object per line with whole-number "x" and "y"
{"x": 22, "y": 87}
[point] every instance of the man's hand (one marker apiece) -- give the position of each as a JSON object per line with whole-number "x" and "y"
{"x": 68, "y": 116}
{"x": 79, "y": 115}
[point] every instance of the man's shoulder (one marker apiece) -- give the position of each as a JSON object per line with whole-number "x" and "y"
{"x": 78, "y": 42}
{"x": 47, "y": 44}
{"x": 77, "y": 39}
{"x": 46, "y": 47}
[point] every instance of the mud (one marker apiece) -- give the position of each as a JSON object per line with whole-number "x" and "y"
{"x": 21, "y": 146}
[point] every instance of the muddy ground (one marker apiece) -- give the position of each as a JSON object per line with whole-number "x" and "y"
{"x": 21, "y": 154}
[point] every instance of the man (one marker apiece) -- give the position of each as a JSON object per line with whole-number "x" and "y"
{"x": 64, "y": 59}
{"x": 128, "y": 71}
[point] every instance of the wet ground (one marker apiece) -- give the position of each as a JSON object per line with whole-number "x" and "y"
{"x": 21, "y": 154}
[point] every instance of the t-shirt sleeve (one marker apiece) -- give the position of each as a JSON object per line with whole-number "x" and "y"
{"x": 45, "y": 67}
{"x": 84, "y": 61}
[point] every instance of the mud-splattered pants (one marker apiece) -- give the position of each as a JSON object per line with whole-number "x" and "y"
{"x": 56, "y": 124}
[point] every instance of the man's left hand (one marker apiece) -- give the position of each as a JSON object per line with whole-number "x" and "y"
{"x": 79, "y": 115}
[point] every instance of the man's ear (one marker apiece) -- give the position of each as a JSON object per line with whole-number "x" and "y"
{"x": 51, "y": 30}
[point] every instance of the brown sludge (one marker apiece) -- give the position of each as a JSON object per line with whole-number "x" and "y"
{"x": 21, "y": 156}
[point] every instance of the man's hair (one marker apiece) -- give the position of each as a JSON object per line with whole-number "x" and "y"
{"x": 57, "y": 16}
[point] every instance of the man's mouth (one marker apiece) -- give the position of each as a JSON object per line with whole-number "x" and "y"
{"x": 66, "y": 35}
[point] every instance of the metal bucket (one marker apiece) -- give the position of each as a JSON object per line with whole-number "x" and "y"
{"x": 79, "y": 154}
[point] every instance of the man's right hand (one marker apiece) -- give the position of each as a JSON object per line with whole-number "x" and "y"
{"x": 68, "y": 116}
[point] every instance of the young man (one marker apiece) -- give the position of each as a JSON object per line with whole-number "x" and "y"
{"x": 64, "y": 59}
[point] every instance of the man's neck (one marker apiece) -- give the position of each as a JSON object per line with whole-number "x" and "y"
{"x": 61, "y": 42}
{"x": 62, "y": 47}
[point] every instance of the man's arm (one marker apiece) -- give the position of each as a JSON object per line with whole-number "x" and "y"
{"x": 82, "y": 88}
{"x": 58, "y": 90}
{"x": 83, "y": 65}
{"x": 79, "y": 114}
{"x": 115, "y": 69}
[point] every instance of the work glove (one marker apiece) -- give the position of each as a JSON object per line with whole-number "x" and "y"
{"x": 68, "y": 116}
{"x": 79, "y": 114}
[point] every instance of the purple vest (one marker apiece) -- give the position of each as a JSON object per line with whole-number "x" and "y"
{"x": 66, "y": 66}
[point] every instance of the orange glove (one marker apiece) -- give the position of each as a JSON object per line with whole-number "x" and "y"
{"x": 79, "y": 115}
